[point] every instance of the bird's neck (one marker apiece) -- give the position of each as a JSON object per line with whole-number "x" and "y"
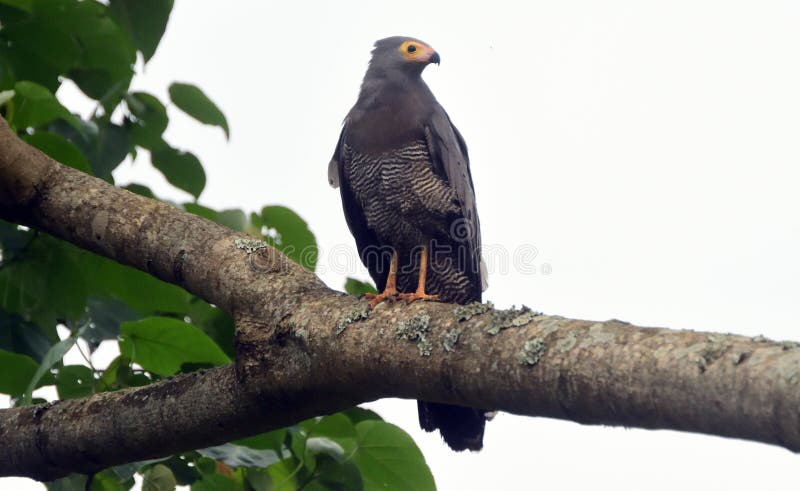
{"x": 383, "y": 87}
{"x": 390, "y": 113}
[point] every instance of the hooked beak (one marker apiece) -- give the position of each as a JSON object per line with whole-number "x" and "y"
{"x": 434, "y": 58}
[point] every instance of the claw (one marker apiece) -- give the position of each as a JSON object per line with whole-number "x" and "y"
{"x": 376, "y": 298}
{"x": 413, "y": 297}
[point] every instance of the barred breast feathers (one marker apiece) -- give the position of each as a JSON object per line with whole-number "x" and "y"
{"x": 406, "y": 172}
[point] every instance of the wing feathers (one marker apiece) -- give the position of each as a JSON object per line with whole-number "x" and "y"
{"x": 451, "y": 162}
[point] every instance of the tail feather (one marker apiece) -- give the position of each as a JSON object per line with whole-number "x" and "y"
{"x": 460, "y": 427}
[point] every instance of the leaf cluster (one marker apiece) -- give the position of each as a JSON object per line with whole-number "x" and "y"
{"x": 57, "y": 299}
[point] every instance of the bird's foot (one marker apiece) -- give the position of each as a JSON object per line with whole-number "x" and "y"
{"x": 388, "y": 295}
{"x": 417, "y": 295}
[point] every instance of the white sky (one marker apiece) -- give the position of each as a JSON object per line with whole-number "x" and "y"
{"x": 649, "y": 151}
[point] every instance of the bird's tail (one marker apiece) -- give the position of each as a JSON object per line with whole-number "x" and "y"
{"x": 461, "y": 427}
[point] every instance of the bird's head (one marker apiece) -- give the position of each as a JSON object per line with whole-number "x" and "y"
{"x": 402, "y": 54}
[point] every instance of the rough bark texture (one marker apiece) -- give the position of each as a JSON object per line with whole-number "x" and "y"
{"x": 303, "y": 349}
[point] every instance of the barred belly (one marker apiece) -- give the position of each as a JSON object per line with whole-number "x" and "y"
{"x": 404, "y": 202}
{"x": 407, "y": 206}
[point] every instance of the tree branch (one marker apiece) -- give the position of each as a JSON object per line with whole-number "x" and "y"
{"x": 303, "y": 349}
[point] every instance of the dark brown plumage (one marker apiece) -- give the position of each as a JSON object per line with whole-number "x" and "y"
{"x": 403, "y": 171}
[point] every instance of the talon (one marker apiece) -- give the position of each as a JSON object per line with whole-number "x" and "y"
{"x": 413, "y": 297}
{"x": 390, "y": 290}
{"x": 376, "y": 298}
{"x": 423, "y": 273}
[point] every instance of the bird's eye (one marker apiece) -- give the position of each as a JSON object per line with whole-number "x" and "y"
{"x": 411, "y": 48}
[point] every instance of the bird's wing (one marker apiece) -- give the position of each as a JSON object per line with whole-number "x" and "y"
{"x": 333, "y": 165}
{"x": 450, "y": 158}
{"x": 366, "y": 240}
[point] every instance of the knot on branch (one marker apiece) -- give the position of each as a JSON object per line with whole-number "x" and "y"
{"x": 262, "y": 348}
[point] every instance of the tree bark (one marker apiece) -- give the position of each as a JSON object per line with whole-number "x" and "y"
{"x": 304, "y": 350}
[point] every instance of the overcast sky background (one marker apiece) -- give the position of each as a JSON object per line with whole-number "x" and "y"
{"x": 648, "y": 152}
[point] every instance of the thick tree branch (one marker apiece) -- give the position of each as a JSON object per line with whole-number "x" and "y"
{"x": 303, "y": 349}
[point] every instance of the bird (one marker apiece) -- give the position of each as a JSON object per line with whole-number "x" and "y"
{"x": 402, "y": 169}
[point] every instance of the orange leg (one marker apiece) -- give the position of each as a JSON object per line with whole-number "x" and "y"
{"x": 390, "y": 291}
{"x": 423, "y": 273}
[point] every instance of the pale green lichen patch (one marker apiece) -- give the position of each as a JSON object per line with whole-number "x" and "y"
{"x": 550, "y": 324}
{"x": 599, "y": 333}
{"x": 415, "y": 330}
{"x": 450, "y": 339}
{"x": 531, "y": 352}
{"x": 567, "y": 342}
{"x": 789, "y": 345}
{"x": 250, "y": 245}
{"x": 355, "y": 315}
{"x": 513, "y": 317}
{"x": 467, "y": 312}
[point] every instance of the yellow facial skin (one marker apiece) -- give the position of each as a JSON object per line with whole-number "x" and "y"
{"x": 416, "y": 51}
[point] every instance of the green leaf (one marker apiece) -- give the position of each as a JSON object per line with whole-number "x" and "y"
{"x": 357, "y": 287}
{"x": 106, "y": 65}
{"x": 105, "y": 47}
{"x": 144, "y": 20}
{"x": 201, "y": 211}
{"x": 18, "y": 63}
{"x": 389, "y": 459}
{"x": 56, "y": 353}
{"x": 327, "y": 446}
{"x": 159, "y": 478}
{"x": 73, "y": 482}
{"x": 101, "y": 86}
{"x": 205, "y": 466}
{"x": 5, "y": 96}
{"x": 74, "y": 381}
{"x": 215, "y": 322}
{"x": 104, "y": 316}
{"x": 182, "y": 169}
{"x": 272, "y": 440}
{"x": 283, "y": 475}
{"x": 105, "y": 481}
{"x": 17, "y": 371}
{"x": 216, "y": 482}
{"x": 194, "y": 102}
{"x": 26, "y": 5}
{"x": 12, "y": 239}
{"x": 162, "y": 344}
{"x": 143, "y": 293}
{"x": 108, "y": 379}
{"x": 359, "y": 414}
{"x": 43, "y": 43}
{"x": 290, "y": 233}
{"x": 140, "y": 189}
{"x": 336, "y": 426}
{"x": 22, "y": 337}
{"x": 331, "y": 473}
{"x": 59, "y": 149}
{"x": 233, "y": 219}
{"x": 183, "y": 468}
{"x": 35, "y": 106}
{"x": 330, "y": 441}
{"x": 45, "y": 283}
{"x": 240, "y": 456}
{"x": 109, "y": 150}
{"x": 104, "y": 144}
{"x": 150, "y": 120}
{"x": 258, "y": 479}
{"x": 124, "y": 472}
